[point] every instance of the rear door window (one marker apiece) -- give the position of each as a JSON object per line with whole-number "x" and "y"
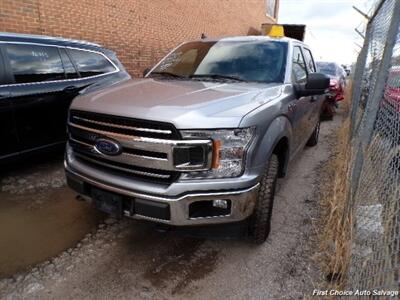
{"x": 33, "y": 63}
{"x": 90, "y": 63}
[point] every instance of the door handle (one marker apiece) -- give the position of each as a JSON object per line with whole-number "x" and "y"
{"x": 70, "y": 89}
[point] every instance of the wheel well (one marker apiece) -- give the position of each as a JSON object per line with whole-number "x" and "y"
{"x": 282, "y": 151}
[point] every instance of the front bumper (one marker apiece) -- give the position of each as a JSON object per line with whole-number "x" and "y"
{"x": 241, "y": 201}
{"x": 335, "y": 95}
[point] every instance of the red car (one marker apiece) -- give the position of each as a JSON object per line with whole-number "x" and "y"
{"x": 390, "y": 107}
{"x": 337, "y": 87}
{"x": 392, "y": 90}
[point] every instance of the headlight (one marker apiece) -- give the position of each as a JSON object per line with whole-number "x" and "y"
{"x": 229, "y": 151}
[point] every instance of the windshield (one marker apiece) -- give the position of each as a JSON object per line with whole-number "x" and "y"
{"x": 327, "y": 68}
{"x": 259, "y": 61}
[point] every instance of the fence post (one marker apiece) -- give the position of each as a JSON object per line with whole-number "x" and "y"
{"x": 358, "y": 80}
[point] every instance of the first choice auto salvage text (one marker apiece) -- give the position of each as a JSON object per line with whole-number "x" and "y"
{"x": 389, "y": 293}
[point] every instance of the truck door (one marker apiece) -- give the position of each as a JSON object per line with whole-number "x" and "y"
{"x": 299, "y": 107}
{"x": 315, "y": 104}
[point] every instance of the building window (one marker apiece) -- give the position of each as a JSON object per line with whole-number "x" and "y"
{"x": 271, "y": 6}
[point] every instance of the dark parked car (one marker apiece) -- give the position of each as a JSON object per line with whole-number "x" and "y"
{"x": 39, "y": 77}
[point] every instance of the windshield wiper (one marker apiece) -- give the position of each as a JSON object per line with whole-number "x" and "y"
{"x": 168, "y": 74}
{"x": 212, "y": 76}
{"x": 217, "y": 76}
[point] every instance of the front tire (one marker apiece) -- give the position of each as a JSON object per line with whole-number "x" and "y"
{"x": 260, "y": 221}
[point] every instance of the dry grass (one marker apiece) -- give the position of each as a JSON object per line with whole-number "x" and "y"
{"x": 335, "y": 234}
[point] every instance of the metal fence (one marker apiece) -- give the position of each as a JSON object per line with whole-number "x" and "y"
{"x": 374, "y": 194}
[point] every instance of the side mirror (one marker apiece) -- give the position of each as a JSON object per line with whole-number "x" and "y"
{"x": 146, "y": 71}
{"x": 316, "y": 84}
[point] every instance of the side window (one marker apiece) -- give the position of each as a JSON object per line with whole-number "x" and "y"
{"x": 299, "y": 66}
{"x": 32, "y": 63}
{"x": 309, "y": 61}
{"x": 69, "y": 68}
{"x": 90, "y": 63}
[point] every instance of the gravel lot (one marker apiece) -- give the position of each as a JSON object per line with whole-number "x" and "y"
{"x": 129, "y": 259}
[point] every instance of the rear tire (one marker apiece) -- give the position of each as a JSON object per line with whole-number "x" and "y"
{"x": 328, "y": 110}
{"x": 260, "y": 221}
{"x": 313, "y": 140}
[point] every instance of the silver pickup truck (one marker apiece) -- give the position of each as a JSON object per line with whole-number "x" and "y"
{"x": 202, "y": 138}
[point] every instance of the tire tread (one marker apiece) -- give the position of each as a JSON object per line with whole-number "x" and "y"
{"x": 260, "y": 222}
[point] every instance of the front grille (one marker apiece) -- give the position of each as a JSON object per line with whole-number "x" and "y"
{"x": 145, "y": 154}
{"x": 114, "y": 168}
{"x": 123, "y": 125}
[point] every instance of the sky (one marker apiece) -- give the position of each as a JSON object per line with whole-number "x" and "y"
{"x": 330, "y": 26}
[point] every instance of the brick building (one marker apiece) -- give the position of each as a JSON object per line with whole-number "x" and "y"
{"x": 140, "y": 31}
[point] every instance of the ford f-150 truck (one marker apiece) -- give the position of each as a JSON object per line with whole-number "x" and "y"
{"x": 202, "y": 138}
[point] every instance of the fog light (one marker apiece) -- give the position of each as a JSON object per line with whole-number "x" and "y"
{"x": 209, "y": 208}
{"x": 220, "y": 204}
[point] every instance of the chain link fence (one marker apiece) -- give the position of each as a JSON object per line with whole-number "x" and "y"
{"x": 373, "y": 200}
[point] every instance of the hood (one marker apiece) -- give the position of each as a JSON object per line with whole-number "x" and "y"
{"x": 184, "y": 103}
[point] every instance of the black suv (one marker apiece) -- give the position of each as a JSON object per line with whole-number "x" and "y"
{"x": 39, "y": 77}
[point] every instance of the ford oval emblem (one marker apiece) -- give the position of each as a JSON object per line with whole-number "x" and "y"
{"x": 107, "y": 147}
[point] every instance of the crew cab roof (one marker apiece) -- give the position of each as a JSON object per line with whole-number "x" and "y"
{"x": 47, "y": 40}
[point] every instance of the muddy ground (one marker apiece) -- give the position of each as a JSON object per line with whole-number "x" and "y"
{"x": 39, "y": 217}
{"x": 130, "y": 260}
